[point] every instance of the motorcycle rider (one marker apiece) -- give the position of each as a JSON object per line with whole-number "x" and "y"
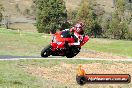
{"x": 77, "y": 32}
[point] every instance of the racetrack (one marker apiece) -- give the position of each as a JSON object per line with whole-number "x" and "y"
{"x": 9, "y": 57}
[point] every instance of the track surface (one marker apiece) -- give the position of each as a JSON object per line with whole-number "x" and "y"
{"x": 55, "y": 57}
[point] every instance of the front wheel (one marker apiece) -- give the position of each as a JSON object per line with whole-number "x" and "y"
{"x": 46, "y": 51}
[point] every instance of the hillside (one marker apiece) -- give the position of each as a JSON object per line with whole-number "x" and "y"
{"x": 107, "y": 4}
{"x": 11, "y": 5}
{"x": 72, "y": 4}
{"x": 15, "y": 10}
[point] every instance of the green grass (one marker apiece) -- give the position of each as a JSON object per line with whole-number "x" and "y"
{"x": 15, "y": 43}
{"x": 51, "y": 63}
{"x": 13, "y": 74}
{"x": 117, "y": 47}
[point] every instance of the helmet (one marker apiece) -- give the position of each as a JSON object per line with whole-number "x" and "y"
{"x": 81, "y": 23}
{"x": 79, "y": 27}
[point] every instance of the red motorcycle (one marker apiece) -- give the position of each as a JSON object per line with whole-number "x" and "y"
{"x": 60, "y": 45}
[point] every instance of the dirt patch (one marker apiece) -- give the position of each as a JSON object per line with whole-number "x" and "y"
{"x": 63, "y": 73}
{"x": 66, "y": 73}
{"x": 93, "y": 54}
{"x": 26, "y": 27}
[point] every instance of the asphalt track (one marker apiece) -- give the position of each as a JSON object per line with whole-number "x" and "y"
{"x": 8, "y": 57}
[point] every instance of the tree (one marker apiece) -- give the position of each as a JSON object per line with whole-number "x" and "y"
{"x": 72, "y": 14}
{"x": 87, "y": 14}
{"x": 1, "y": 9}
{"x": 124, "y": 30}
{"x": 7, "y": 21}
{"x": 118, "y": 29}
{"x": 50, "y": 15}
{"x": 114, "y": 26}
{"x": 120, "y": 6}
{"x": 17, "y": 8}
{"x": 105, "y": 24}
{"x": 33, "y": 8}
{"x": 1, "y": 17}
{"x": 118, "y": 25}
{"x": 26, "y": 11}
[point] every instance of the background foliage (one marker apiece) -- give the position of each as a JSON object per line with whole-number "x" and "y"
{"x": 50, "y": 15}
{"x": 98, "y": 23}
{"x": 1, "y": 9}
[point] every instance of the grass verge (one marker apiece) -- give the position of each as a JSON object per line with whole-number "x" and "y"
{"x": 117, "y": 47}
{"x": 55, "y": 73}
{"x": 30, "y": 44}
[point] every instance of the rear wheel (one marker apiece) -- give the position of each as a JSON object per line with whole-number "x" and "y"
{"x": 46, "y": 51}
{"x": 70, "y": 55}
{"x": 73, "y": 51}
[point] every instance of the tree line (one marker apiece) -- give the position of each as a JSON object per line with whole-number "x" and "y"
{"x": 114, "y": 25}
{"x": 52, "y": 15}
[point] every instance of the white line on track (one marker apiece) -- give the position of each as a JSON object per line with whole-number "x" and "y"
{"x": 63, "y": 58}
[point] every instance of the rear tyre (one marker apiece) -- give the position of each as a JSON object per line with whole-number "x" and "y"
{"x": 70, "y": 55}
{"x": 73, "y": 51}
{"x": 46, "y": 51}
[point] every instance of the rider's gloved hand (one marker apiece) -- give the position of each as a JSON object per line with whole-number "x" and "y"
{"x": 72, "y": 29}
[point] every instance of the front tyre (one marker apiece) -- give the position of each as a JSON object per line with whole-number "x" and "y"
{"x": 46, "y": 51}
